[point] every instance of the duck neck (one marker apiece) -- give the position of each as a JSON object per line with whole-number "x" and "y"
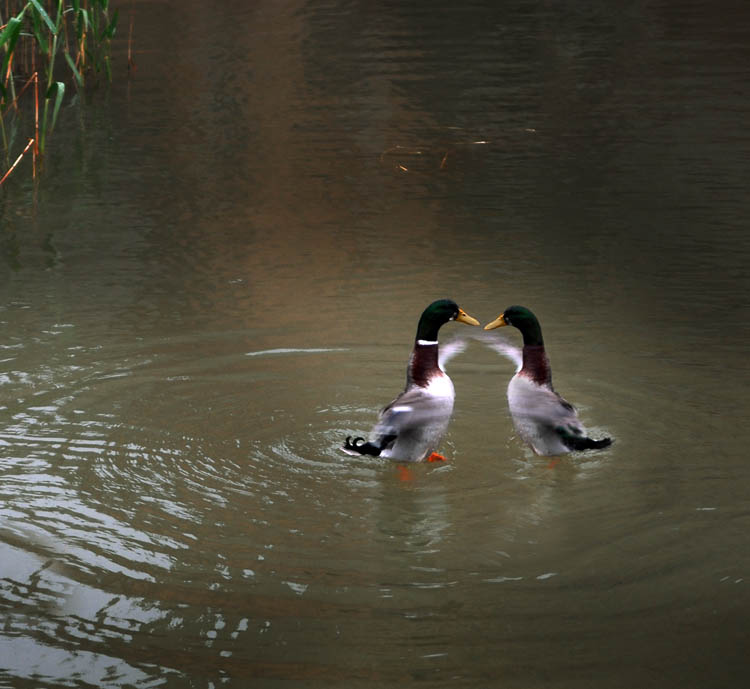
{"x": 532, "y": 332}
{"x": 428, "y": 327}
{"x": 423, "y": 362}
{"x": 536, "y": 365}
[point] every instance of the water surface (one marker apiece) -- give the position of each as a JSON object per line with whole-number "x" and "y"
{"x": 219, "y": 278}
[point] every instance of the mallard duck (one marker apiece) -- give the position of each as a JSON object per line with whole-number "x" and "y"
{"x": 546, "y": 421}
{"x": 410, "y": 427}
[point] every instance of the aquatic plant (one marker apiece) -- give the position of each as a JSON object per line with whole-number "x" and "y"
{"x": 38, "y": 36}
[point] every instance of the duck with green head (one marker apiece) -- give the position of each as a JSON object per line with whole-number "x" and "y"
{"x": 545, "y": 421}
{"x": 410, "y": 428}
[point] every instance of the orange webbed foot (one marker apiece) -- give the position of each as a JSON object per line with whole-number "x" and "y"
{"x": 435, "y": 457}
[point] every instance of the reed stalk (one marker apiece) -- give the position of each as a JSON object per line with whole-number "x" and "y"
{"x": 34, "y": 34}
{"x": 18, "y": 160}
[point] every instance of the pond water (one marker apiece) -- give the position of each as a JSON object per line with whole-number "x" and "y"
{"x": 219, "y": 278}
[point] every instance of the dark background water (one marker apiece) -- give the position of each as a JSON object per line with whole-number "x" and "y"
{"x": 219, "y": 277}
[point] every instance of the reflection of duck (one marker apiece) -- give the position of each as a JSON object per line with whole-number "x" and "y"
{"x": 411, "y": 426}
{"x": 548, "y": 423}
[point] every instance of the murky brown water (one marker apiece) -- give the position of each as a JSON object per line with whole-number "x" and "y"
{"x": 220, "y": 278}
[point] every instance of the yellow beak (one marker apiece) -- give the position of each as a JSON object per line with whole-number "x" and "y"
{"x": 466, "y": 318}
{"x": 497, "y": 323}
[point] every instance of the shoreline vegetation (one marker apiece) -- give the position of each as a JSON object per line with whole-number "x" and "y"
{"x": 45, "y": 46}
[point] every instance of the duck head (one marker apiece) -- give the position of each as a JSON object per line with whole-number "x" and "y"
{"x": 437, "y": 314}
{"x": 522, "y": 318}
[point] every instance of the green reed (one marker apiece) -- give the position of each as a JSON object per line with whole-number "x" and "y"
{"x": 45, "y": 44}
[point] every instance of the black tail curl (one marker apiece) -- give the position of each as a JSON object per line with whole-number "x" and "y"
{"x": 359, "y": 446}
{"x": 578, "y": 443}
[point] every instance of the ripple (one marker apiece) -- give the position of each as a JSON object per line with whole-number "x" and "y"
{"x": 33, "y": 659}
{"x": 293, "y": 350}
{"x": 181, "y": 489}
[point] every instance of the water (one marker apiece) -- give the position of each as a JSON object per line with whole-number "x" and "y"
{"x": 219, "y": 278}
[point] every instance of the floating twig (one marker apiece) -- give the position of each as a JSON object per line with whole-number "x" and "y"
{"x": 399, "y": 151}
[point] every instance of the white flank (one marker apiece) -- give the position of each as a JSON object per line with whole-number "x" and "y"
{"x": 402, "y": 407}
{"x": 427, "y": 342}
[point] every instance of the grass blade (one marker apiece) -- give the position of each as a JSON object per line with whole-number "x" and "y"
{"x": 41, "y": 41}
{"x": 110, "y": 30}
{"x": 74, "y": 69}
{"x": 82, "y": 22}
{"x": 58, "y": 89}
{"x": 8, "y": 38}
{"x": 10, "y": 32}
{"x": 43, "y": 14}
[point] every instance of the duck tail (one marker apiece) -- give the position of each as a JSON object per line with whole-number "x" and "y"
{"x": 581, "y": 442}
{"x": 360, "y": 447}
{"x": 599, "y": 444}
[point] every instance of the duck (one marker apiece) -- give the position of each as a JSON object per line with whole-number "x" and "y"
{"x": 410, "y": 428}
{"x": 547, "y": 422}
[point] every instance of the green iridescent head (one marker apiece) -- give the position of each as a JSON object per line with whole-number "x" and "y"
{"x": 437, "y": 314}
{"x": 522, "y": 318}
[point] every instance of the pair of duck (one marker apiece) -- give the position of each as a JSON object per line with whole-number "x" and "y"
{"x": 410, "y": 428}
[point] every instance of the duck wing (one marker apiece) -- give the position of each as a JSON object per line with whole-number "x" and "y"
{"x": 410, "y": 413}
{"x": 450, "y": 349}
{"x": 544, "y": 406}
{"x": 501, "y": 346}
{"x": 413, "y": 407}
{"x": 548, "y": 421}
